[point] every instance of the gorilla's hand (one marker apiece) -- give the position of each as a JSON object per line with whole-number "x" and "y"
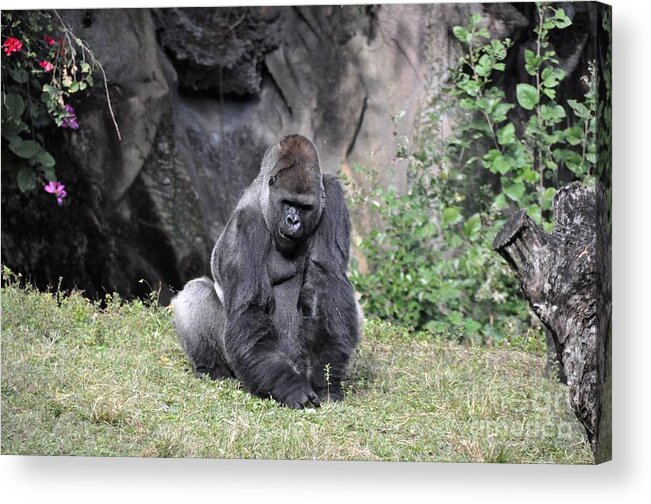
{"x": 299, "y": 395}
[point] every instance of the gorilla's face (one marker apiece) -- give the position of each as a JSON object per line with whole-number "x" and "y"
{"x": 293, "y": 201}
{"x": 294, "y": 210}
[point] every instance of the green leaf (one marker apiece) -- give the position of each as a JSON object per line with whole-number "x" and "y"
{"x": 472, "y": 326}
{"x": 455, "y": 318}
{"x": 45, "y": 159}
{"x": 573, "y": 135}
{"x": 25, "y": 149}
{"x": 20, "y": 75}
{"x": 552, "y": 113}
{"x": 499, "y": 114}
{"x": 468, "y": 104}
{"x": 561, "y": 20}
{"x": 471, "y": 227}
{"x": 491, "y": 156}
{"x": 580, "y": 110}
{"x": 514, "y": 191}
{"x": 552, "y": 76}
{"x": 39, "y": 115}
{"x": 501, "y": 165}
{"x": 498, "y": 48}
{"x": 527, "y": 96}
{"x": 15, "y": 105}
{"x": 484, "y": 66}
{"x": 506, "y": 135}
{"x": 483, "y": 32}
{"x": 495, "y": 162}
{"x": 531, "y": 62}
{"x": 461, "y": 34}
{"x": 26, "y": 179}
{"x": 85, "y": 67}
{"x": 435, "y": 326}
{"x": 548, "y": 197}
{"x": 530, "y": 175}
{"x": 49, "y": 173}
{"x": 567, "y": 155}
{"x": 551, "y": 164}
{"x": 451, "y": 215}
{"x": 471, "y": 87}
{"x": 535, "y": 213}
{"x": 50, "y": 90}
{"x": 500, "y": 203}
{"x": 549, "y": 55}
{"x": 11, "y": 129}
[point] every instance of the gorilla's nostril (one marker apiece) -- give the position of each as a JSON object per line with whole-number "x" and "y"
{"x": 292, "y": 220}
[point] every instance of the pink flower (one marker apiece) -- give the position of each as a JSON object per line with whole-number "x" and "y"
{"x": 49, "y": 40}
{"x": 12, "y": 45}
{"x": 58, "y": 189}
{"x": 46, "y": 65}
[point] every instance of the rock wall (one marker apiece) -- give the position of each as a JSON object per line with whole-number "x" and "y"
{"x": 198, "y": 95}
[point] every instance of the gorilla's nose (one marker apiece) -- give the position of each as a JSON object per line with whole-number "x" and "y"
{"x": 293, "y": 222}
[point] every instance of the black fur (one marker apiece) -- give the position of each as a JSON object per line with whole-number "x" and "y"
{"x": 287, "y": 322}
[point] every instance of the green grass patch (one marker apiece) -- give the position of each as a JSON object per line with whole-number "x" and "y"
{"x": 78, "y": 379}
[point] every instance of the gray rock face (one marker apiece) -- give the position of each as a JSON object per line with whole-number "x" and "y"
{"x": 198, "y": 95}
{"x": 219, "y": 49}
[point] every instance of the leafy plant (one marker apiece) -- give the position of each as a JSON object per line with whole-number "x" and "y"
{"x": 527, "y": 162}
{"x": 431, "y": 264}
{"x": 43, "y": 66}
{"x": 431, "y": 267}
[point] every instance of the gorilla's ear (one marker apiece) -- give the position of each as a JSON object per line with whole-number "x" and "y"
{"x": 331, "y": 240}
{"x": 238, "y": 261}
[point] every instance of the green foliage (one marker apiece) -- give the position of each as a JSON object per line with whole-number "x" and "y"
{"x": 431, "y": 263}
{"x": 432, "y": 267}
{"x": 43, "y": 66}
{"x": 527, "y": 162}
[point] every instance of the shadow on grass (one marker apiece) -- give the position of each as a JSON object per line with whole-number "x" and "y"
{"x": 364, "y": 369}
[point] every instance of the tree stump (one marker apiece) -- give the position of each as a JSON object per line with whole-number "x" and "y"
{"x": 566, "y": 277}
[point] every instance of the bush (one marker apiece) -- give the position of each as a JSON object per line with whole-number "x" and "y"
{"x": 431, "y": 264}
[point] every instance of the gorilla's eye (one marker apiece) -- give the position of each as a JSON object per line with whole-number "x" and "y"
{"x": 272, "y": 180}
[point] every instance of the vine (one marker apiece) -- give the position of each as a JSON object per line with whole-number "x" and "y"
{"x": 44, "y": 65}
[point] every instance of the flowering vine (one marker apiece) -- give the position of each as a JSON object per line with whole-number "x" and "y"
{"x": 43, "y": 65}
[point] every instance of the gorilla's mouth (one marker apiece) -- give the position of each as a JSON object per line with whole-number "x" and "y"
{"x": 286, "y": 237}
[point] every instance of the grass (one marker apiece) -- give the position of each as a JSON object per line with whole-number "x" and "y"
{"x": 78, "y": 379}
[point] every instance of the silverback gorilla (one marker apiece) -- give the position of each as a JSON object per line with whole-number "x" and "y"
{"x": 279, "y": 314}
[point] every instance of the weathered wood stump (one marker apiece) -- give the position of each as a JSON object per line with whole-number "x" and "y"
{"x": 566, "y": 276}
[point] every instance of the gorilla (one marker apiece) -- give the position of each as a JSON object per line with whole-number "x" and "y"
{"x": 279, "y": 313}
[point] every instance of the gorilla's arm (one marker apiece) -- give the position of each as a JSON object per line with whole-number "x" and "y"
{"x": 330, "y": 320}
{"x": 251, "y": 341}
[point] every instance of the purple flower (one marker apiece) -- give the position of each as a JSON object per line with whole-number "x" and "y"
{"x": 58, "y": 189}
{"x": 70, "y": 121}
